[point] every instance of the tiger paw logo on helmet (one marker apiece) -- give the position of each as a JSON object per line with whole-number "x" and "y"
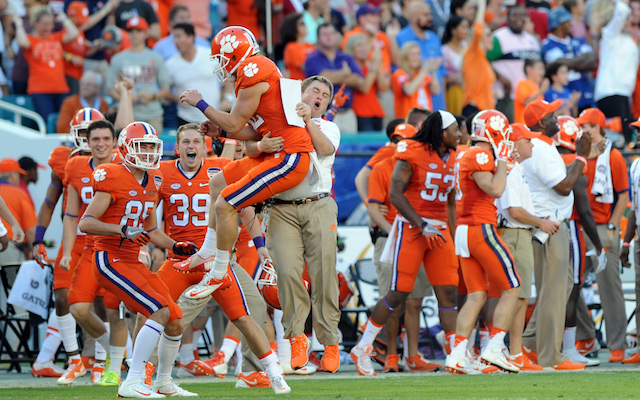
{"x": 228, "y": 44}
{"x": 482, "y": 158}
{"x": 497, "y": 123}
{"x": 250, "y": 69}
{"x": 570, "y": 128}
{"x": 99, "y": 175}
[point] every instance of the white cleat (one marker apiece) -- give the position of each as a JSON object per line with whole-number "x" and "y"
{"x": 493, "y": 355}
{"x": 467, "y": 366}
{"x": 136, "y": 389}
{"x": 279, "y": 385}
{"x": 171, "y": 389}
{"x": 362, "y": 359}
{"x": 574, "y": 355}
{"x": 306, "y": 370}
{"x": 207, "y": 286}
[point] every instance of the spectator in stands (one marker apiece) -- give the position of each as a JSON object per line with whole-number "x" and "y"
{"x": 558, "y": 75}
{"x": 194, "y": 59}
{"x": 166, "y": 46}
{"x": 532, "y": 87}
{"x": 454, "y": 44}
{"x": 577, "y": 9}
{"x": 575, "y": 53}
{"x": 414, "y": 83}
{"x": 130, "y": 9}
{"x": 89, "y": 96}
{"x": 30, "y": 168}
{"x": 20, "y": 207}
{"x": 147, "y": 70}
{"x": 477, "y": 75}
{"x": 293, "y": 33}
{"x": 339, "y": 68}
{"x": 366, "y": 104}
{"x": 511, "y": 46}
{"x": 75, "y": 51}
{"x": 495, "y": 15}
{"x": 463, "y": 8}
{"x": 199, "y": 11}
{"x": 113, "y": 41}
{"x": 441, "y": 13}
{"x": 313, "y": 18}
{"x": 244, "y": 13}
{"x": 618, "y": 69}
{"x": 43, "y": 50}
{"x": 420, "y": 19}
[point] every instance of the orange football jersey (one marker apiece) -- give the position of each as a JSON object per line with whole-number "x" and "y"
{"x": 432, "y": 180}
{"x": 379, "y": 184}
{"x": 477, "y": 207}
{"x": 270, "y": 117}
{"x": 131, "y": 204}
{"x": 58, "y": 159}
{"x": 186, "y": 200}
{"x": 383, "y": 153}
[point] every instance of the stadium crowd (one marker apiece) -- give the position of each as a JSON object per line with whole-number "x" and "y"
{"x": 499, "y": 175}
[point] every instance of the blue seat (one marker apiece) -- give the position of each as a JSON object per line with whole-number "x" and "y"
{"x": 52, "y": 123}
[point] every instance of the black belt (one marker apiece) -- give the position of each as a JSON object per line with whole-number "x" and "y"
{"x": 306, "y": 200}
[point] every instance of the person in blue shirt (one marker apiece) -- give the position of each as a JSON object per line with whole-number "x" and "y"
{"x": 420, "y": 19}
{"x": 166, "y": 47}
{"x": 558, "y": 75}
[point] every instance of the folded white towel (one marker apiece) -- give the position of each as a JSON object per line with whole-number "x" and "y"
{"x": 462, "y": 241}
{"x": 602, "y": 182}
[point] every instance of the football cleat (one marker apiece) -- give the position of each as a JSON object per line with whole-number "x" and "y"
{"x": 419, "y": 363}
{"x": 137, "y": 389}
{"x": 75, "y": 370}
{"x": 299, "y": 351}
{"x": 279, "y": 385}
{"x": 217, "y": 365}
{"x": 96, "y": 372}
{"x": 575, "y": 356}
{"x": 617, "y": 356}
{"x": 589, "y": 346}
{"x": 493, "y": 354}
{"x": 110, "y": 378}
{"x": 184, "y": 265}
{"x": 171, "y": 389}
{"x": 467, "y": 366}
{"x": 568, "y": 366}
{"x": 194, "y": 368}
{"x": 634, "y": 359}
{"x": 257, "y": 379}
{"x": 391, "y": 363}
{"x": 525, "y": 364}
{"x": 46, "y": 370}
{"x": 331, "y": 358}
{"x": 362, "y": 359}
{"x": 207, "y": 286}
{"x": 530, "y": 354}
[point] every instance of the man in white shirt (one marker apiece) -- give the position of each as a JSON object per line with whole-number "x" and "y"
{"x": 517, "y": 220}
{"x": 551, "y": 185}
{"x": 190, "y": 68}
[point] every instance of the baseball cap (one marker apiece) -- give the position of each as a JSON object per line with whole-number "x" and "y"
{"x": 593, "y": 116}
{"x": 538, "y": 109}
{"x": 557, "y": 16}
{"x": 520, "y": 131}
{"x": 111, "y": 36}
{"x": 137, "y": 23}
{"x": 79, "y": 11}
{"x": 10, "y": 165}
{"x": 365, "y": 9}
{"x": 404, "y": 131}
{"x": 27, "y": 163}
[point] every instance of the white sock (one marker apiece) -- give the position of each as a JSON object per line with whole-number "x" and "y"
{"x": 484, "y": 337}
{"x": 239, "y": 357}
{"x": 498, "y": 340}
{"x": 229, "y": 346}
{"x": 460, "y": 350}
{"x": 271, "y": 364}
{"x": 67, "y": 328}
{"x": 49, "y": 346}
{"x": 472, "y": 340}
{"x": 220, "y": 265}
{"x": 186, "y": 353}
{"x": 515, "y": 356}
{"x": 569, "y": 339}
{"x": 102, "y": 344}
{"x": 117, "y": 356}
{"x": 129, "y": 345}
{"x": 369, "y": 335}
{"x": 167, "y": 352}
{"x": 146, "y": 341}
{"x": 405, "y": 344}
{"x": 197, "y": 334}
{"x": 208, "y": 248}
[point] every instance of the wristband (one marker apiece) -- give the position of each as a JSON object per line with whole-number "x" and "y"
{"x": 40, "y": 230}
{"x": 626, "y": 244}
{"x": 258, "y": 241}
{"x": 259, "y": 148}
{"x": 202, "y": 105}
{"x": 580, "y": 158}
{"x": 222, "y": 133}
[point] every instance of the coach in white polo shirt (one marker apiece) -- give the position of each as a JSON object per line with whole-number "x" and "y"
{"x": 516, "y": 217}
{"x": 551, "y": 185}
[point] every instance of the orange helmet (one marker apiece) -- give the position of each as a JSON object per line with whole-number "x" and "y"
{"x": 231, "y": 46}
{"x": 491, "y": 126}
{"x": 81, "y": 121}
{"x": 130, "y": 142}
{"x": 268, "y": 284}
{"x": 569, "y": 132}
{"x": 344, "y": 290}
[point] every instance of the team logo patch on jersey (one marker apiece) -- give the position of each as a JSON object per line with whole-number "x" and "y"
{"x": 433, "y": 165}
{"x": 133, "y": 193}
{"x": 158, "y": 181}
{"x": 250, "y": 69}
{"x": 175, "y": 186}
{"x": 99, "y": 175}
{"x": 212, "y": 171}
{"x": 85, "y": 180}
{"x": 482, "y": 158}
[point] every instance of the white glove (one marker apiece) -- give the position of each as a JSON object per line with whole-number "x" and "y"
{"x": 602, "y": 262}
{"x": 505, "y": 148}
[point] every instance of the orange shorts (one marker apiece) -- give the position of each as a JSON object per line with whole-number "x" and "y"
{"x": 578, "y": 248}
{"x": 254, "y": 180}
{"x": 129, "y": 280}
{"x": 462, "y": 288}
{"x": 84, "y": 287}
{"x": 247, "y": 256}
{"x": 491, "y": 264}
{"x": 231, "y": 300}
{"x": 412, "y": 250}
{"x": 62, "y": 278}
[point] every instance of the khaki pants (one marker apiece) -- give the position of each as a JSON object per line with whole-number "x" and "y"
{"x": 421, "y": 288}
{"x": 306, "y": 232}
{"x": 554, "y": 281}
{"x": 521, "y": 247}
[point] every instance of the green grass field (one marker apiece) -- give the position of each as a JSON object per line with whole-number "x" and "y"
{"x": 581, "y": 385}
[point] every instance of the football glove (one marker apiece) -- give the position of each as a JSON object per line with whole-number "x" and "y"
{"x": 184, "y": 248}
{"x": 40, "y": 254}
{"x": 138, "y": 236}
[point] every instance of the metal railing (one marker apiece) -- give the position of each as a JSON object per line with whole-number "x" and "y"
{"x": 20, "y": 112}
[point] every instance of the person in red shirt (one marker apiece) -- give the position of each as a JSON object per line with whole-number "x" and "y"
{"x": 293, "y": 33}
{"x": 75, "y": 51}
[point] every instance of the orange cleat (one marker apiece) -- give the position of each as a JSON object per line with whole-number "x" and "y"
{"x": 588, "y": 346}
{"x": 391, "y": 363}
{"x": 75, "y": 370}
{"x": 525, "y": 364}
{"x": 331, "y": 358}
{"x": 616, "y": 356}
{"x": 419, "y": 363}
{"x": 253, "y": 380}
{"x": 569, "y": 366}
{"x": 46, "y": 370}
{"x": 530, "y": 354}
{"x": 218, "y": 365}
{"x": 194, "y": 368}
{"x": 634, "y": 359}
{"x": 299, "y": 354}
